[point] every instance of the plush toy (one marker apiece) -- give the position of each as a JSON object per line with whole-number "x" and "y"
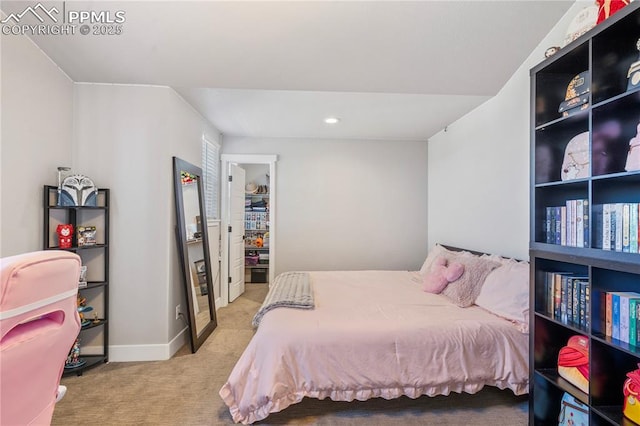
{"x": 65, "y": 232}
{"x": 606, "y": 8}
{"x": 441, "y": 274}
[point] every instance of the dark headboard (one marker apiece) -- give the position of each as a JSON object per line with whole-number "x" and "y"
{"x": 479, "y": 253}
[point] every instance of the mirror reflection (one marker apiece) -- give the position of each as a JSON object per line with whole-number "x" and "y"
{"x": 194, "y": 253}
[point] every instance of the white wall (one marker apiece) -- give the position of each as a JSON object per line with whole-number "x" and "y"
{"x": 125, "y": 138}
{"x": 346, "y": 204}
{"x": 256, "y": 173}
{"x": 37, "y": 111}
{"x": 479, "y": 167}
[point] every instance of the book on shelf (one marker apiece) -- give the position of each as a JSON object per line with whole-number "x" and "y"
{"x": 633, "y": 228}
{"x": 572, "y": 223}
{"x": 637, "y": 323}
{"x": 564, "y": 214}
{"x": 608, "y": 314}
{"x": 580, "y": 241}
{"x": 596, "y": 223}
{"x": 633, "y": 317}
{"x": 617, "y": 227}
{"x": 625, "y": 227}
{"x": 617, "y": 238}
{"x": 621, "y": 313}
{"x": 568, "y": 225}
{"x": 558, "y": 221}
{"x": 567, "y": 297}
{"x": 587, "y": 304}
{"x": 606, "y": 227}
{"x": 586, "y": 235}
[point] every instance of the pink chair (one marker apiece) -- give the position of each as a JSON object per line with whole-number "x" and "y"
{"x": 39, "y": 323}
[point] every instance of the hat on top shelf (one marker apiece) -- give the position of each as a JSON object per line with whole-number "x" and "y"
{"x": 577, "y": 96}
{"x": 251, "y": 188}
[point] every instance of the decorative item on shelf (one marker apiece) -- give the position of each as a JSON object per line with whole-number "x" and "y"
{"x": 551, "y": 51}
{"x": 573, "y": 362}
{"x": 82, "y": 309}
{"x": 251, "y": 188}
{"x": 78, "y": 190}
{"x": 86, "y": 236}
{"x": 259, "y": 241}
{"x": 572, "y": 412}
{"x": 96, "y": 320}
{"x": 581, "y": 23}
{"x": 73, "y": 359}
{"x": 606, "y": 8}
{"x": 577, "y": 96}
{"x": 575, "y": 164}
{"x": 187, "y": 178}
{"x": 65, "y": 235}
{"x": 60, "y": 170}
{"x": 633, "y": 75}
{"x": 631, "y": 390}
{"x": 82, "y": 281}
{"x": 633, "y": 157}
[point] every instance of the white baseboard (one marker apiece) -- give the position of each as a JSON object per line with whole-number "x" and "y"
{"x": 128, "y": 353}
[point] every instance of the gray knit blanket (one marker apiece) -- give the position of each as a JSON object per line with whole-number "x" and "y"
{"x": 289, "y": 290}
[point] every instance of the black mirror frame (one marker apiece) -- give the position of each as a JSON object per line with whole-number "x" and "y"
{"x": 181, "y": 239}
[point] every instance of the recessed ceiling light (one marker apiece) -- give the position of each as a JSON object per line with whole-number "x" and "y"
{"x": 331, "y": 120}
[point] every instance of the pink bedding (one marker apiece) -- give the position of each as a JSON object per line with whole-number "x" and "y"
{"x": 373, "y": 334}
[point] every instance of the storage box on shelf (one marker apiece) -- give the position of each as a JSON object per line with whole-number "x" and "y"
{"x": 598, "y": 257}
{"x": 94, "y": 334}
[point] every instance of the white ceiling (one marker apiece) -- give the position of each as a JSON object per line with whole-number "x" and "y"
{"x": 388, "y": 69}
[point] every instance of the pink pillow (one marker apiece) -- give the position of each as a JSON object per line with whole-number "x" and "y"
{"x": 441, "y": 274}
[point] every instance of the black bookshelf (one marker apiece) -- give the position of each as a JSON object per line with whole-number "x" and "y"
{"x": 96, "y": 258}
{"x": 611, "y": 119}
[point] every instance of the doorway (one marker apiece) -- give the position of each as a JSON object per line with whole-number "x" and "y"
{"x": 255, "y": 262}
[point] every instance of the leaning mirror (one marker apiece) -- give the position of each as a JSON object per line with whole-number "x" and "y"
{"x": 193, "y": 250}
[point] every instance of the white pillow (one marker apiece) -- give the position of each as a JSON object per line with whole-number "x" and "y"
{"x": 505, "y": 292}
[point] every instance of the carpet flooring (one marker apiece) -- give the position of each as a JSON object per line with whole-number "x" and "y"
{"x": 184, "y": 390}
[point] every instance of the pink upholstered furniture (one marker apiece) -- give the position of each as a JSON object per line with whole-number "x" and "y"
{"x": 38, "y": 325}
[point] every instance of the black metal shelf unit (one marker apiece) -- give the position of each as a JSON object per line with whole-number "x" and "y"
{"x": 94, "y": 333}
{"x": 609, "y": 120}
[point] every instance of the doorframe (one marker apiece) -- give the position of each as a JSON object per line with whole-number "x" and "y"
{"x": 240, "y": 159}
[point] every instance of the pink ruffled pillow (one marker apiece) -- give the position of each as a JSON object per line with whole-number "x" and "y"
{"x": 441, "y": 274}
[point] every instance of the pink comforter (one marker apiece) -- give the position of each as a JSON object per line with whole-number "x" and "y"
{"x": 373, "y": 334}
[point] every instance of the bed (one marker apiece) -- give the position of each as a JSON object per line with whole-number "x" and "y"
{"x": 374, "y": 334}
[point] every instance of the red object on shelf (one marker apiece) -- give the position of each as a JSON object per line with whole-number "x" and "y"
{"x": 606, "y": 8}
{"x": 573, "y": 362}
{"x": 65, "y": 234}
{"x": 631, "y": 408}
